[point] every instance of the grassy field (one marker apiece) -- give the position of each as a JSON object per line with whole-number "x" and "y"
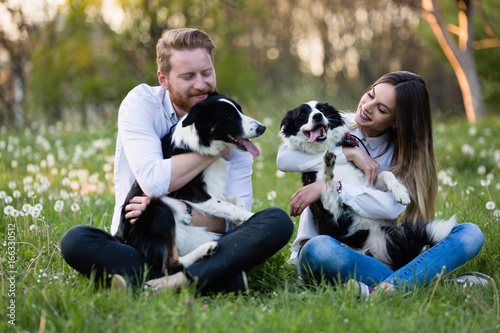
{"x": 56, "y": 177}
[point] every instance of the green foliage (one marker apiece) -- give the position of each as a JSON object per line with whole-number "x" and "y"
{"x": 63, "y": 163}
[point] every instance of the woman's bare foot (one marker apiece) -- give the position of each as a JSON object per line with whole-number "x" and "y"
{"x": 175, "y": 281}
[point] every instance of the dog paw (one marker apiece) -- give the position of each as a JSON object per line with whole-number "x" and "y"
{"x": 209, "y": 249}
{"x": 387, "y": 181}
{"x": 328, "y": 164}
{"x": 400, "y": 194}
{"x": 329, "y": 159}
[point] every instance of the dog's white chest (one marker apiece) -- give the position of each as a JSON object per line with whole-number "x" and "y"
{"x": 215, "y": 178}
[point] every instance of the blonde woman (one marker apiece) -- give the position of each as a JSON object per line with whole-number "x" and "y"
{"x": 393, "y": 123}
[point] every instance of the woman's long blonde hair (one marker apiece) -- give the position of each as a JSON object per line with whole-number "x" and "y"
{"x": 413, "y": 161}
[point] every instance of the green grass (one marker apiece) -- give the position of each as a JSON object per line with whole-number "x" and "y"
{"x": 72, "y": 166}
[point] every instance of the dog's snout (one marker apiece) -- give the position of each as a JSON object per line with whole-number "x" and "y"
{"x": 318, "y": 117}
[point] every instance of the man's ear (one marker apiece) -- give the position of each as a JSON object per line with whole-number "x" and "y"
{"x": 162, "y": 80}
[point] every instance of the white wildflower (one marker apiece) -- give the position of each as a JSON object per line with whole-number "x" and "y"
{"x": 12, "y": 185}
{"x": 8, "y": 210}
{"x": 481, "y": 170}
{"x": 472, "y": 131}
{"x": 58, "y": 206}
{"x": 271, "y": 195}
{"x": 490, "y": 205}
{"x": 280, "y": 174}
{"x": 485, "y": 182}
{"x": 16, "y": 194}
{"x": 75, "y": 208}
{"x": 107, "y": 167}
{"x": 26, "y": 208}
{"x": 468, "y": 150}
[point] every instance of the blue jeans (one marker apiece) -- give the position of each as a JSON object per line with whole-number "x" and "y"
{"x": 325, "y": 256}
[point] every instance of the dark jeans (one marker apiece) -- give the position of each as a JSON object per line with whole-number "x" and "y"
{"x": 93, "y": 251}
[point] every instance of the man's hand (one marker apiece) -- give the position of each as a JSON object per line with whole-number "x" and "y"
{"x": 136, "y": 206}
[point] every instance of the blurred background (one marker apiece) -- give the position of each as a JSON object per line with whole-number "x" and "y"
{"x": 75, "y": 60}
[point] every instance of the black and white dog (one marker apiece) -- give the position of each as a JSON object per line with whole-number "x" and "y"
{"x": 316, "y": 127}
{"x": 162, "y": 233}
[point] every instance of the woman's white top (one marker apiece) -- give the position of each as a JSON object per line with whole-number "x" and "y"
{"x": 363, "y": 200}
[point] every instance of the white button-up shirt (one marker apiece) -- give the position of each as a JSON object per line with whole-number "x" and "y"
{"x": 145, "y": 116}
{"x": 365, "y": 201}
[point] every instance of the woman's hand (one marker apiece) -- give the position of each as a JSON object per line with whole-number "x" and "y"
{"x": 136, "y": 206}
{"x": 363, "y": 161}
{"x": 304, "y": 197}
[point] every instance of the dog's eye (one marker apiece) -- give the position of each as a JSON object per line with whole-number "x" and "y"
{"x": 302, "y": 115}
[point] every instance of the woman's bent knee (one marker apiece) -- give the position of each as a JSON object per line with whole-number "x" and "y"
{"x": 471, "y": 238}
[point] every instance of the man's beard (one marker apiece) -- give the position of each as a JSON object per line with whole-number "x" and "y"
{"x": 181, "y": 102}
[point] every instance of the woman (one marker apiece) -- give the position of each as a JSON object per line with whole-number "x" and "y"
{"x": 393, "y": 123}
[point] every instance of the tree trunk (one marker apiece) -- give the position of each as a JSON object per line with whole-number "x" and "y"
{"x": 459, "y": 55}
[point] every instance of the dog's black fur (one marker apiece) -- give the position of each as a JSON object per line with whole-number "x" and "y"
{"x": 216, "y": 121}
{"x": 315, "y": 127}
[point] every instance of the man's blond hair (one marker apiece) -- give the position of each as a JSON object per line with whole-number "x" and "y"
{"x": 181, "y": 39}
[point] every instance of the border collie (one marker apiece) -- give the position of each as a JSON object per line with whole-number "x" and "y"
{"x": 162, "y": 233}
{"x": 316, "y": 127}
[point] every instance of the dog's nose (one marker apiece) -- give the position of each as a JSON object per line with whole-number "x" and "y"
{"x": 261, "y": 129}
{"x": 318, "y": 117}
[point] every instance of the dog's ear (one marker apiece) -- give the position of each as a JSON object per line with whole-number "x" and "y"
{"x": 333, "y": 115}
{"x": 193, "y": 114}
{"x": 285, "y": 121}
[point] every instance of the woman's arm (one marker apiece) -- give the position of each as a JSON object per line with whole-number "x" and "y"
{"x": 290, "y": 160}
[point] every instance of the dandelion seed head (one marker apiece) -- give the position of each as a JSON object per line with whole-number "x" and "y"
{"x": 472, "y": 131}
{"x": 107, "y": 167}
{"x": 3, "y": 195}
{"x": 8, "y": 210}
{"x": 8, "y": 199}
{"x": 16, "y": 194}
{"x": 485, "y": 182}
{"x": 468, "y": 150}
{"x": 481, "y": 170}
{"x": 58, "y": 206}
{"x": 12, "y": 185}
{"x": 35, "y": 212}
{"x": 14, "y": 213}
{"x": 490, "y": 205}
{"x": 26, "y": 208}
{"x": 280, "y": 174}
{"x": 271, "y": 195}
{"x": 75, "y": 207}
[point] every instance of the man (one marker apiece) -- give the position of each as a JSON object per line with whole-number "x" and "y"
{"x": 186, "y": 76}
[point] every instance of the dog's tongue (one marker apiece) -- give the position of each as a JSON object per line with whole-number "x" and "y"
{"x": 250, "y": 147}
{"x": 314, "y": 134}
